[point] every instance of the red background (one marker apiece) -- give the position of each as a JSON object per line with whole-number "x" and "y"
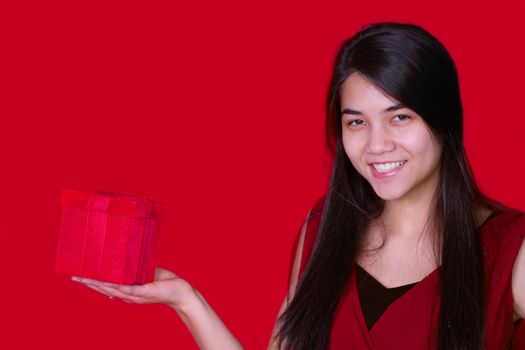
{"x": 217, "y": 109}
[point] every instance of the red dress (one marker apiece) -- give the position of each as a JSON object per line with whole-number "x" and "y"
{"x": 410, "y": 322}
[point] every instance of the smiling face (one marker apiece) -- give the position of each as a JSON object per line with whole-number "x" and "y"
{"x": 390, "y": 145}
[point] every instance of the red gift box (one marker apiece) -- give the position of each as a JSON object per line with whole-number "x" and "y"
{"x": 108, "y": 236}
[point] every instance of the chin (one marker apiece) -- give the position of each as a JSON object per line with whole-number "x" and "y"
{"x": 389, "y": 197}
{"x": 389, "y": 194}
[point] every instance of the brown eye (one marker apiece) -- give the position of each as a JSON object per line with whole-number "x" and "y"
{"x": 355, "y": 122}
{"x": 401, "y": 117}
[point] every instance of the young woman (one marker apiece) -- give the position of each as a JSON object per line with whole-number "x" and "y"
{"x": 403, "y": 251}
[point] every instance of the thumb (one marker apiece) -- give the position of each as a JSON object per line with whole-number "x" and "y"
{"x": 163, "y": 274}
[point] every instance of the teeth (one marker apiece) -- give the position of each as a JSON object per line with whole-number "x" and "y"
{"x": 385, "y": 167}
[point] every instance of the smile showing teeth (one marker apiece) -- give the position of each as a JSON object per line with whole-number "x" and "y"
{"x": 386, "y": 167}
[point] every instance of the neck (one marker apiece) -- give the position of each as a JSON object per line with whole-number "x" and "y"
{"x": 410, "y": 216}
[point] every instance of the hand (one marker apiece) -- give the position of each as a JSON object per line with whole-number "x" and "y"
{"x": 167, "y": 288}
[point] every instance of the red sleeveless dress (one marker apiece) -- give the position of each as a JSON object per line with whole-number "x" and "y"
{"x": 410, "y": 322}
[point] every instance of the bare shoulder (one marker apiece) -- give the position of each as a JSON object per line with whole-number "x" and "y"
{"x": 518, "y": 271}
{"x": 292, "y": 284}
{"x": 518, "y": 284}
{"x": 294, "y": 276}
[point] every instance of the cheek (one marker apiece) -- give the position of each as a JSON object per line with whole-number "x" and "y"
{"x": 422, "y": 145}
{"x": 353, "y": 149}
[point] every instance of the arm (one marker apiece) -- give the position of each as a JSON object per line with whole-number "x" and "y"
{"x": 273, "y": 345}
{"x": 204, "y": 324}
{"x": 518, "y": 284}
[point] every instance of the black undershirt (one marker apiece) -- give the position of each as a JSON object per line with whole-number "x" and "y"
{"x": 374, "y": 297}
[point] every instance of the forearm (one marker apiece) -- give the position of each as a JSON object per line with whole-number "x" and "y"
{"x": 204, "y": 324}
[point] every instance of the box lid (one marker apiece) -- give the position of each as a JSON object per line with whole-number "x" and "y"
{"x": 112, "y": 203}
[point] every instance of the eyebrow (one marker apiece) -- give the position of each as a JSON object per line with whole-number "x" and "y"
{"x": 389, "y": 109}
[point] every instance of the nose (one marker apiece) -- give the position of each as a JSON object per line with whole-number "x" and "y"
{"x": 380, "y": 140}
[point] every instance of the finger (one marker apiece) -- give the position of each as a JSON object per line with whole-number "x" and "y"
{"x": 129, "y": 298}
{"x": 97, "y": 289}
{"x": 116, "y": 290}
{"x": 136, "y": 292}
{"x": 106, "y": 288}
{"x": 163, "y": 274}
{"x": 110, "y": 292}
{"x": 86, "y": 280}
{"x": 100, "y": 284}
{"x": 102, "y": 287}
{"x": 141, "y": 291}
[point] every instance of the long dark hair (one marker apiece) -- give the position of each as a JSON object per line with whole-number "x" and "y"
{"x": 412, "y": 66}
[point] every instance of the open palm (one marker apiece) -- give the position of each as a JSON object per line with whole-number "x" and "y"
{"x": 167, "y": 288}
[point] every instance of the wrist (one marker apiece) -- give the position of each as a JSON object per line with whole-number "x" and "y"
{"x": 189, "y": 304}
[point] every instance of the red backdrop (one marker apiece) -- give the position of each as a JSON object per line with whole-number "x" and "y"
{"x": 217, "y": 109}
